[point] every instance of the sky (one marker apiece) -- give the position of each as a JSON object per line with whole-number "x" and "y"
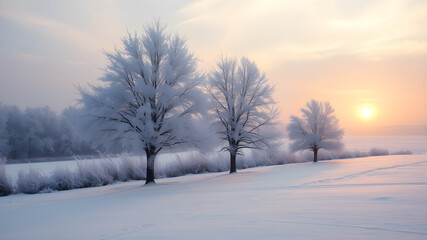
{"x": 356, "y": 54}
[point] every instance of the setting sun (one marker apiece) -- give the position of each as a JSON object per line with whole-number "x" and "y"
{"x": 366, "y": 113}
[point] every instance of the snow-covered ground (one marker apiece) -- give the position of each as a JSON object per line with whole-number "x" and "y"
{"x": 415, "y": 144}
{"x": 366, "y": 198}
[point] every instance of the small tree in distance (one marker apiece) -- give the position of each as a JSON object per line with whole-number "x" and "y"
{"x": 243, "y": 105}
{"x": 318, "y": 128}
{"x": 150, "y": 96}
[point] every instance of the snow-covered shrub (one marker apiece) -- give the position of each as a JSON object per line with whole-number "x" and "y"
{"x": 111, "y": 167}
{"x": 378, "y": 152}
{"x": 217, "y": 162}
{"x": 285, "y": 157}
{"x": 168, "y": 167}
{"x": 252, "y": 159}
{"x": 401, "y": 152}
{"x": 192, "y": 164}
{"x": 32, "y": 182}
{"x": 92, "y": 174}
{"x": 213, "y": 162}
{"x": 278, "y": 156}
{"x": 62, "y": 179}
{"x": 131, "y": 169}
{"x": 5, "y": 187}
{"x": 195, "y": 162}
{"x": 126, "y": 167}
{"x": 272, "y": 157}
{"x": 352, "y": 154}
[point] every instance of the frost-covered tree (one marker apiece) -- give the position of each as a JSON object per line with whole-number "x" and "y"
{"x": 39, "y": 132}
{"x": 72, "y": 137}
{"x": 150, "y": 95}
{"x": 318, "y": 128}
{"x": 4, "y": 147}
{"x": 43, "y": 135}
{"x": 244, "y": 107}
{"x": 5, "y": 187}
{"x": 16, "y": 132}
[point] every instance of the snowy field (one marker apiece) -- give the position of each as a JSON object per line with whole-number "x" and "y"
{"x": 415, "y": 144}
{"x": 366, "y": 198}
{"x": 362, "y": 198}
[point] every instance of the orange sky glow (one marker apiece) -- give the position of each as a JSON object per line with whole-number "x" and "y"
{"x": 355, "y": 54}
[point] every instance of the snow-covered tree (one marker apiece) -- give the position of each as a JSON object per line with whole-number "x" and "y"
{"x": 4, "y": 147}
{"x": 244, "y": 107}
{"x": 16, "y": 132}
{"x": 43, "y": 134}
{"x": 39, "y": 132}
{"x": 150, "y": 95}
{"x": 318, "y": 128}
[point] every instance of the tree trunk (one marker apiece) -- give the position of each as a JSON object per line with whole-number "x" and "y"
{"x": 151, "y": 156}
{"x": 315, "y": 154}
{"x": 232, "y": 161}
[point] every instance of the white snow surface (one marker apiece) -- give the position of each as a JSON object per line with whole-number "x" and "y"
{"x": 364, "y": 198}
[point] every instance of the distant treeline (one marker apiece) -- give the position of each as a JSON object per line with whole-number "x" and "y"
{"x": 40, "y": 132}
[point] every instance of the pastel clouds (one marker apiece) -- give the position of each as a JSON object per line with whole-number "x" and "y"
{"x": 275, "y": 31}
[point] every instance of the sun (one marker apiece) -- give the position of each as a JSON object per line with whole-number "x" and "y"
{"x": 366, "y": 113}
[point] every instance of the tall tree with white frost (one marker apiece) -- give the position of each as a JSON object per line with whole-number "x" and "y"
{"x": 318, "y": 128}
{"x": 150, "y": 94}
{"x": 243, "y": 105}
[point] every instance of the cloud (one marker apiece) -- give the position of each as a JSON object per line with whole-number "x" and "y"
{"x": 273, "y": 31}
{"x": 66, "y": 33}
{"x": 354, "y": 91}
{"x": 30, "y": 57}
{"x": 77, "y": 63}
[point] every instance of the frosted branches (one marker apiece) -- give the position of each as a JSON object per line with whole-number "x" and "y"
{"x": 317, "y": 128}
{"x": 243, "y": 104}
{"x": 149, "y": 88}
